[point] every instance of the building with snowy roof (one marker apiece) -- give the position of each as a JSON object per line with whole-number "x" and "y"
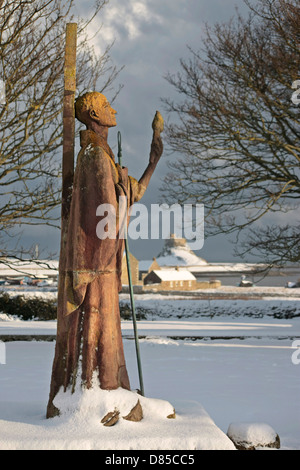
{"x": 176, "y": 253}
{"x": 170, "y": 279}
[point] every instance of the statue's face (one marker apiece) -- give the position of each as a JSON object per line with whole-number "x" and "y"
{"x": 103, "y": 113}
{"x": 95, "y": 107}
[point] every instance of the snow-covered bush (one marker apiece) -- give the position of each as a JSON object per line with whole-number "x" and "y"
{"x": 33, "y": 308}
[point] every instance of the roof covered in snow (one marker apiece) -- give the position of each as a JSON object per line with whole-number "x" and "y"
{"x": 174, "y": 275}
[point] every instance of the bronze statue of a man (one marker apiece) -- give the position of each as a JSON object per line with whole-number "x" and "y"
{"x": 89, "y": 343}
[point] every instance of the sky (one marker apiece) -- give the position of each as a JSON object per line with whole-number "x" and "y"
{"x": 150, "y": 37}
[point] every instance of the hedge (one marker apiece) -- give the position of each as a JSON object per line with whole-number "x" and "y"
{"x": 35, "y": 308}
{"x": 28, "y": 308}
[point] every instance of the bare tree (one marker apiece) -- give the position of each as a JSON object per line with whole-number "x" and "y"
{"x": 237, "y": 130}
{"x": 32, "y": 41}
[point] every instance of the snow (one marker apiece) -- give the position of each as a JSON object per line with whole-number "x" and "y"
{"x": 5, "y": 317}
{"x": 226, "y": 268}
{"x": 155, "y": 431}
{"x": 174, "y": 275}
{"x": 23, "y": 425}
{"x": 216, "y": 362}
{"x": 180, "y": 256}
{"x": 37, "y": 269}
{"x": 257, "y": 434}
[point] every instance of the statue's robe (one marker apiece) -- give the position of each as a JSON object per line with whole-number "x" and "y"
{"x": 89, "y": 343}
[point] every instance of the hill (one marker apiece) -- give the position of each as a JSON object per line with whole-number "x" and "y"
{"x": 176, "y": 252}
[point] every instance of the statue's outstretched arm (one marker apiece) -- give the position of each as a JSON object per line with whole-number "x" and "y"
{"x": 155, "y": 151}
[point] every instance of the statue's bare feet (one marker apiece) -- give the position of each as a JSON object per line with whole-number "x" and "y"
{"x": 136, "y": 414}
{"x": 110, "y": 418}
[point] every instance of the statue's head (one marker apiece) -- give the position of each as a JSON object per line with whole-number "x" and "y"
{"x": 94, "y": 107}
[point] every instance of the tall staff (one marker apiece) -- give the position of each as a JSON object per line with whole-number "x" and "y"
{"x": 136, "y": 337}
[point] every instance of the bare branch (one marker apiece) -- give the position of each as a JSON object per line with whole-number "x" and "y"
{"x": 32, "y": 38}
{"x": 234, "y": 125}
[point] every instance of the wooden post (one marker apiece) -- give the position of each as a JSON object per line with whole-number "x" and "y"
{"x": 68, "y": 121}
{"x": 68, "y": 140}
{"x": 59, "y": 363}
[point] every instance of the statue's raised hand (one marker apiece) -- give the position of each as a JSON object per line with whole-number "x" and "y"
{"x": 156, "y": 145}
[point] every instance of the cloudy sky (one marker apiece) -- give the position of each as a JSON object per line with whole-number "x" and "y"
{"x": 151, "y": 36}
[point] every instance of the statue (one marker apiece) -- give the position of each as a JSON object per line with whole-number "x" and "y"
{"x": 89, "y": 343}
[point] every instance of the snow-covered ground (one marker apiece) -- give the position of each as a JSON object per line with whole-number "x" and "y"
{"x": 216, "y": 362}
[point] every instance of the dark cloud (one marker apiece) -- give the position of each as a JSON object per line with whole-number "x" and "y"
{"x": 150, "y": 38}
